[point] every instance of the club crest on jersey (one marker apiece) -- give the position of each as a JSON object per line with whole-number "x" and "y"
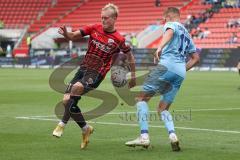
{"x": 96, "y": 35}
{"x": 110, "y": 40}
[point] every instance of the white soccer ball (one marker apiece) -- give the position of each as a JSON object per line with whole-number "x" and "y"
{"x": 119, "y": 76}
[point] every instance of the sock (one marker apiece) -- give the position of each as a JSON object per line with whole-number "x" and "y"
{"x": 168, "y": 121}
{"x": 145, "y": 135}
{"x": 74, "y": 111}
{"x": 142, "y": 114}
{"x": 62, "y": 124}
{"x": 66, "y": 114}
{"x": 84, "y": 129}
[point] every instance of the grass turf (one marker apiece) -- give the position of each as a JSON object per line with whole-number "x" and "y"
{"x": 26, "y": 92}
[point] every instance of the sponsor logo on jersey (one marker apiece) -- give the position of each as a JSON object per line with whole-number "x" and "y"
{"x": 101, "y": 46}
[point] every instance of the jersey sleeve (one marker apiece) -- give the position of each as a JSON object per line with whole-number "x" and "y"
{"x": 86, "y": 30}
{"x": 169, "y": 25}
{"x": 124, "y": 47}
{"x": 191, "y": 48}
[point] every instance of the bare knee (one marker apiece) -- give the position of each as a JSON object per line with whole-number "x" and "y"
{"x": 143, "y": 97}
{"x": 77, "y": 89}
{"x": 163, "y": 106}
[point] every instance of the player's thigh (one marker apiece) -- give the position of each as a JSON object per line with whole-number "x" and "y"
{"x": 78, "y": 76}
{"x": 169, "y": 97}
{"x": 152, "y": 83}
{"x": 175, "y": 82}
{"x": 91, "y": 80}
{"x": 84, "y": 81}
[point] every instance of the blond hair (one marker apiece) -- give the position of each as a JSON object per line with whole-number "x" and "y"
{"x": 113, "y": 7}
{"x": 172, "y": 10}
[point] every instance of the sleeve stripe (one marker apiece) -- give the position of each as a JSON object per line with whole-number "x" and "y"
{"x": 82, "y": 33}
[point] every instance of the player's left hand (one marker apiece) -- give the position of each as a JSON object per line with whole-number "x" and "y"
{"x": 157, "y": 54}
{"x": 132, "y": 82}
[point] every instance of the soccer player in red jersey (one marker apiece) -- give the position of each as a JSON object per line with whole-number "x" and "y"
{"x": 104, "y": 42}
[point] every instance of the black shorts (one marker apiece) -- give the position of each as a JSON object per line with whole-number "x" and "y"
{"x": 90, "y": 79}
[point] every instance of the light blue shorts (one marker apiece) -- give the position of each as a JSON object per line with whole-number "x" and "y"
{"x": 162, "y": 81}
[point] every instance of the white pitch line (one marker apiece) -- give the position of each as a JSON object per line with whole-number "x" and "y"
{"x": 37, "y": 118}
{"x": 208, "y": 109}
{"x": 181, "y": 110}
{"x": 136, "y": 125}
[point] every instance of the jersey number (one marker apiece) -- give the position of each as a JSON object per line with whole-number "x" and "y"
{"x": 184, "y": 43}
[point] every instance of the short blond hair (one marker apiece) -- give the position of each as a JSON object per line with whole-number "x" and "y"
{"x": 113, "y": 7}
{"x": 172, "y": 10}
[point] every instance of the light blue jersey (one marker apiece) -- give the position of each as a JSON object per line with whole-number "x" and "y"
{"x": 174, "y": 54}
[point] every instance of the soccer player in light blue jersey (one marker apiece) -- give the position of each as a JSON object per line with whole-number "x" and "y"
{"x": 167, "y": 77}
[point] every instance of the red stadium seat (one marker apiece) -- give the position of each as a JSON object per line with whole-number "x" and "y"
{"x": 132, "y": 18}
{"x": 220, "y": 34}
{"x": 21, "y": 12}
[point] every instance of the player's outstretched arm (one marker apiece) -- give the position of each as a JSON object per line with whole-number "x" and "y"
{"x": 166, "y": 38}
{"x": 69, "y": 35}
{"x": 194, "y": 59}
{"x": 131, "y": 60}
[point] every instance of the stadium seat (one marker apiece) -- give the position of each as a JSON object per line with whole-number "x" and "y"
{"x": 132, "y": 18}
{"x": 220, "y": 34}
{"x": 17, "y": 14}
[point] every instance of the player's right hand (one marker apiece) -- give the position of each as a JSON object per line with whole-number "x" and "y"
{"x": 62, "y": 30}
{"x": 156, "y": 55}
{"x": 132, "y": 82}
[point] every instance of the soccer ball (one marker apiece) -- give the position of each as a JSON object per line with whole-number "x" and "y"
{"x": 119, "y": 76}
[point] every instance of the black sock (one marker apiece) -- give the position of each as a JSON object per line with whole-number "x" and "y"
{"x": 73, "y": 110}
{"x": 66, "y": 115}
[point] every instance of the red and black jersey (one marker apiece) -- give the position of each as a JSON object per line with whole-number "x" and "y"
{"x": 102, "y": 46}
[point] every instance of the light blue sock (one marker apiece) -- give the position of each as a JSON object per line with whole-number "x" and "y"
{"x": 168, "y": 121}
{"x": 142, "y": 114}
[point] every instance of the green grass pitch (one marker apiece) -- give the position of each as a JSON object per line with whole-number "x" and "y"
{"x": 210, "y": 131}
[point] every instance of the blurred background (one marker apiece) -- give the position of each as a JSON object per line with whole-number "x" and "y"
{"x": 29, "y": 38}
